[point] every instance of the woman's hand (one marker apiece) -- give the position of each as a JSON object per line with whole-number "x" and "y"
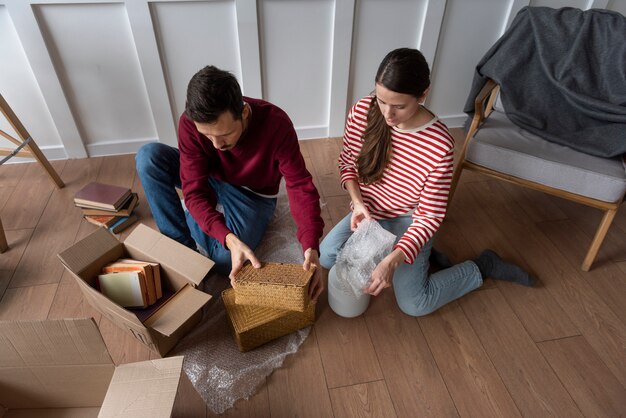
{"x": 239, "y": 254}
{"x": 311, "y": 261}
{"x": 382, "y": 276}
{"x": 359, "y": 212}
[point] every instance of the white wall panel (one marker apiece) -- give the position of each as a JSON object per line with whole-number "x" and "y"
{"x": 470, "y": 28}
{"x": 617, "y": 6}
{"x": 95, "y": 58}
{"x": 100, "y": 77}
{"x": 193, "y": 35}
{"x": 19, "y": 88}
{"x": 296, "y": 46}
{"x": 381, "y": 26}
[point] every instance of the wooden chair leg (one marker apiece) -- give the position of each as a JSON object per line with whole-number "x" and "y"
{"x": 3, "y": 239}
{"x": 607, "y": 219}
{"x": 456, "y": 176}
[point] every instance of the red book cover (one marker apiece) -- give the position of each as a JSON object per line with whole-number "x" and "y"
{"x": 102, "y": 195}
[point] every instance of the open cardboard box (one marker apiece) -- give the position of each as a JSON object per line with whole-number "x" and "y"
{"x": 62, "y": 368}
{"x": 181, "y": 271}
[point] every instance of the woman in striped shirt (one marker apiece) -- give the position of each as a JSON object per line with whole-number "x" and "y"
{"x": 396, "y": 164}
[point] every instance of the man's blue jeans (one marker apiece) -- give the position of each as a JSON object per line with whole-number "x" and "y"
{"x": 247, "y": 214}
{"x": 417, "y": 292}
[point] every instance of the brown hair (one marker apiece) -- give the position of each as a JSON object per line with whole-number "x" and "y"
{"x": 403, "y": 70}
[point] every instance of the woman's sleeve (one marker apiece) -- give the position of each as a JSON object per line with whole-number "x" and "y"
{"x": 347, "y": 158}
{"x": 430, "y": 211}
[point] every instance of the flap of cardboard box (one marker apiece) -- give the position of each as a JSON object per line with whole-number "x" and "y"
{"x": 146, "y": 389}
{"x": 53, "y": 364}
{"x": 171, "y": 316}
{"x": 170, "y": 253}
{"x": 99, "y": 245}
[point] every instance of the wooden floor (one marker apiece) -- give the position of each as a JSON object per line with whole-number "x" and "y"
{"x": 503, "y": 350}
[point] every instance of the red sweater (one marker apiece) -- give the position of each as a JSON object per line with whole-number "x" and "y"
{"x": 267, "y": 152}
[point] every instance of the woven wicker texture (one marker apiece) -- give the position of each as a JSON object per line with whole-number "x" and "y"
{"x": 274, "y": 285}
{"x": 255, "y": 325}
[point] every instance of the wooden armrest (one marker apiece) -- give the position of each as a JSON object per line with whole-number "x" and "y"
{"x": 480, "y": 110}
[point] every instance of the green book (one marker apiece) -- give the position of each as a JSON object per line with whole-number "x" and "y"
{"x": 127, "y": 289}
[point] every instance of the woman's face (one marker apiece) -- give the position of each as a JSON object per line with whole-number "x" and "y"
{"x": 398, "y": 109}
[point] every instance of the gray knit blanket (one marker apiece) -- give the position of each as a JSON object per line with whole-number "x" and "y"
{"x": 562, "y": 74}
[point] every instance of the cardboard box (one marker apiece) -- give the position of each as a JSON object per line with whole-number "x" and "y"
{"x": 181, "y": 271}
{"x": 62, "y": 368}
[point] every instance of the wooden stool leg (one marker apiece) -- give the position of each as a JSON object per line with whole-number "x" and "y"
{"x": 3, "y": 239}
{"x": 46, "y": 164}
{"x": 33, "y": 149}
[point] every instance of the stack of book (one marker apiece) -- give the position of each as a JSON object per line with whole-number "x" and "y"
{"x": 131, "y": 283}
{"x": 107, "y": 205}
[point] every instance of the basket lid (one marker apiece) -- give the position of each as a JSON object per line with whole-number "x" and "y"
{"x": 246, "y": 317}
{"x": 275, "y": 273}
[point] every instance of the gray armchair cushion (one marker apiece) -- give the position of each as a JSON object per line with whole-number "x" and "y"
{"x": 503, "y": 146}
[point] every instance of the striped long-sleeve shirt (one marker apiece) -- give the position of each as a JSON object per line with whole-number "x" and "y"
{"x": 416, "y": 181}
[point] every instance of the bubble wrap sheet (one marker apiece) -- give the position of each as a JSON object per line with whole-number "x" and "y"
{"x": 369, "y": 244}
{"x": 219, "y": 372}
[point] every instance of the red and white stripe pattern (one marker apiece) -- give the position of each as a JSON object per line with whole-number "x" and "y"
{"x": 416, "y": 182}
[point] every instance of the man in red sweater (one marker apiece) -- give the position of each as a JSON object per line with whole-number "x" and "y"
{"x": 232, "y": 153}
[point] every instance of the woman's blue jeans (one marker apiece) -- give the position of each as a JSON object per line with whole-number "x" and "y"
{"x": 417, "y": 292}
{"x": 247, "y": 214}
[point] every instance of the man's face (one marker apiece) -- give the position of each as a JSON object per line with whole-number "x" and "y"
{"x": 226, "y": 131}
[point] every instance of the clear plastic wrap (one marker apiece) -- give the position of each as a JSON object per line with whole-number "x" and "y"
{"x": 365, "y": 248}
{"x": 218, "y": 371}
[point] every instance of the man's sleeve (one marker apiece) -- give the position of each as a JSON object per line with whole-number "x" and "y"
{"x": 200, "y": 198}
{"x": 304, "y": 200}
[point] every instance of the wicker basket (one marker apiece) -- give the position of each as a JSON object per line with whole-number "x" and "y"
{"x": 274, "y": 285}
{"x": 256, "y": 325}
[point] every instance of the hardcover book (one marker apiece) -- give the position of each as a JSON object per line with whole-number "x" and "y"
{"x": 126, "y": 209}
{"x": 127, "y": 289}
{"x": 123, "y": 223}
{"x": 103, "y": 220}
{"x": 100, "y": 195}
{"x": 151, "y": 272}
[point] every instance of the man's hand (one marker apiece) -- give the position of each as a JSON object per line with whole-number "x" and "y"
{"x": 239, "y": 254}
{"x": 311, "y": 260}
{"x": 382, "y": 276}
{"x": 359, "y": 212}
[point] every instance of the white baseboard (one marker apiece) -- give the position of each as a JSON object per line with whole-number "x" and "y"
{"x": 119, "y": 147}
{"x": 52, "y": 152}
{"x": 312, "y": 132}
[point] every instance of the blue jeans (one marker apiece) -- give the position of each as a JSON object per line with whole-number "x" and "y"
{"x": 247, "y": 214}
{"x": 417, "y": 292}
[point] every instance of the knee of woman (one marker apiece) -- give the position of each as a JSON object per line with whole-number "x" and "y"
{"x": 328, "y": 256}
{"x": 414, "y": 307}
{"x": 326, "y": 261}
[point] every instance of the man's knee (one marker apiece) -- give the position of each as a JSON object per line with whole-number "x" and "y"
{"x": 147, "y": 156}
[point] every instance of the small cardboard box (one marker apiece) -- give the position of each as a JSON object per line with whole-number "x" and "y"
{"x": 274, "y": 285}
{"x": 256, "y": 325}
{"x": 62, "y": 368}
{"x": 181, "y": 271}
